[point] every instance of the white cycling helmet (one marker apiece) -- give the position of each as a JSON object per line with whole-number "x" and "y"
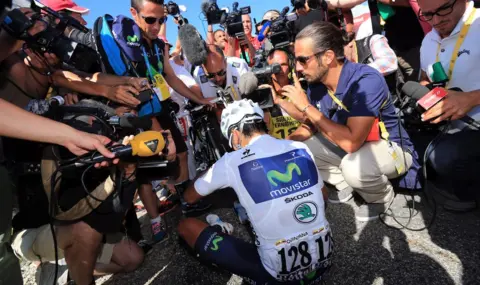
{"x": 238, "y": 113}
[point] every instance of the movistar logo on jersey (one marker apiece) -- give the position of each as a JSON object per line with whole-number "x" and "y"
{"x": 274, "y": 177}
{"x": 215, "y": 243}
{"x": 286, "y": 177}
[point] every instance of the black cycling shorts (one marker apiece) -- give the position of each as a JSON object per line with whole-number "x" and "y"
{"x": 167, "y": 123}
{"x": 240, "y": 258}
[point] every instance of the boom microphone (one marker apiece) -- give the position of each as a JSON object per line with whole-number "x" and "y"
{"x": 194, "y": 47}
{"x": 426, "y": 99}
{"x": 248, "y": 83}
{"x": 205, "y": 6}
{"x": 145, "y": 144}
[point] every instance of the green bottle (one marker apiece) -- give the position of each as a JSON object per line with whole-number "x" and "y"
{"x": 386, "y": 11}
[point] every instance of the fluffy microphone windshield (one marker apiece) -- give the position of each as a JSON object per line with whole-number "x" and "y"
{"x": 205, "y": 5}
{"x": 193, "y": 45}
{"x": 248, "y": 83}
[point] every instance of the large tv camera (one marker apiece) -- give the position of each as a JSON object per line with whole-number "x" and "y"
{"x": 282, "y": 29}
{"x": 53, "y": 34}
{"x": 232, "y": 22}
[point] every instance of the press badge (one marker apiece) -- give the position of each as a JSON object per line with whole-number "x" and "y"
{"x": 161, "y": 87}
{"x": 397, "y": 158}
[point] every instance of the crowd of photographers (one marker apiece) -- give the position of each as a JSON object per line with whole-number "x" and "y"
{"x": 93, "y": 119}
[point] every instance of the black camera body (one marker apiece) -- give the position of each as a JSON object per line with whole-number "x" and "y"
{"x": 174, "y": 11}
{"x": 282, "y": 30}
{"x": 52, "y": 38}
{"x": 233, "y": 21}
{"x": 264, "y": 74}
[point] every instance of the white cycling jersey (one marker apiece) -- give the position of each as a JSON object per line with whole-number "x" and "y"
{"x": 278, "y": 183}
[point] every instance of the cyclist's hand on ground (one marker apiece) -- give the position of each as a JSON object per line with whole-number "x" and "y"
{"x": 124, "y": 94}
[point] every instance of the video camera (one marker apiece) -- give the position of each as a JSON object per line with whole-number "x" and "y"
{"x": 174, "y": 10}
{"x": 232, "y": 22}
{"x": 52, "y": 38}
{"x": 281, "y": 29}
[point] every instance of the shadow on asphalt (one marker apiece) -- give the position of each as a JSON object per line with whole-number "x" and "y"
{"x": 365, "y": 253}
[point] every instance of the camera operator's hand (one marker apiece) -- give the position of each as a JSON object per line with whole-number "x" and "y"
{"x": 71, "y": 98}
{"x": 124, "y": 95}
{"x": 296, "y": 94}
{"x": 276, "y": 98}
{"x": 43, "y": 64}
{"x": 138, "y": 83}
{"x": 455, "y": 106}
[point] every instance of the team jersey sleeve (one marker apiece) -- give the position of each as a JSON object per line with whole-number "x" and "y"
{"x": 215, "y": 178}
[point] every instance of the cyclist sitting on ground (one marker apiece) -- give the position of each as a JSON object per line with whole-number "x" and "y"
{"x": 278, "y": 184}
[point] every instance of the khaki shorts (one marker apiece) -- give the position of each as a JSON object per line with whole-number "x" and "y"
{"x": 37, "y": 245}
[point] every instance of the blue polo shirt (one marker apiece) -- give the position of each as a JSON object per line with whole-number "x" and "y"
{"x": 364, "y": 93}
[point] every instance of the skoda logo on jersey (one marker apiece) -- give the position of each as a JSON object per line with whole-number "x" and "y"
{"x": 298, "y": 197}
{"x": 275, "y": 177}
{"x": 305, "y": 213}
{"x": 234, "y": 79}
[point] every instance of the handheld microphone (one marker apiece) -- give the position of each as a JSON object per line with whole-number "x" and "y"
{"x": 145, "y": 144}
{"x": 194, "y": 47}
{"x": 264, "y": 31}
{"x": 426, "y": 98}
{"x": 248, "y": 83}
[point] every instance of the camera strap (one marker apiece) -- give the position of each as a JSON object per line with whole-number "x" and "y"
{"x": 461, "y": 38}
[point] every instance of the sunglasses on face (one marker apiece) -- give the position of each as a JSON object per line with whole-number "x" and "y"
{"x": 445, "y": 10}
{"x": 152, "y": 20}
{"x": 220, "y": 74}
{"x": 303, "y": 60}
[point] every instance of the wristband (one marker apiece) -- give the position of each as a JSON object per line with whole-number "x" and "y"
{"x": 306, "y": 107}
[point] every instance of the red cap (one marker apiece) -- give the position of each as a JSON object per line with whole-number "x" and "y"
{"x": 69, "y": 5}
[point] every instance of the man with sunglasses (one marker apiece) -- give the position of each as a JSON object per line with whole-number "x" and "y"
{"x": 453, "y": 43}
{"x": 149, "y": 16}
{"x": 220, "y": 72}
{"x": 360, "y": 144}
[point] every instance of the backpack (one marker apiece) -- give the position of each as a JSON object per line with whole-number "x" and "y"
{"x": 117, "y": 54}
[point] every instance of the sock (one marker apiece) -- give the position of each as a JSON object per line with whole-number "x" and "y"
{"x": 156, "y": 220}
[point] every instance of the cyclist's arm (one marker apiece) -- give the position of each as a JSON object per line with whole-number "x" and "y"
{"x": 215, "y": 178}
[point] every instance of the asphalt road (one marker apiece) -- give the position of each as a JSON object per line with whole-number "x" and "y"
{"x": 365, "y": 253}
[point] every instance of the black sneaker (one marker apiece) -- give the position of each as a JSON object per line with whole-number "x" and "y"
{"x": 195, "y": 209}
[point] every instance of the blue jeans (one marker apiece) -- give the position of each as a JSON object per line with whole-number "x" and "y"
{"x": 455, "y": 162}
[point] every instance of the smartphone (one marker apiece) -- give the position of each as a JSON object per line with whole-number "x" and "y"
{"x": 145, "y": 95}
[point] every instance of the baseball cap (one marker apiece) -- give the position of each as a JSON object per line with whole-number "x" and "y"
{"x": 69, "y": 5}
{"x": 128, "y": 35}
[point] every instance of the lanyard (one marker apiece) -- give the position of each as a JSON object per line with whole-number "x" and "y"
{"x": 461, "y": 39}
{"x": 337, "y": 101}
{"x": 147, "y": 62}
